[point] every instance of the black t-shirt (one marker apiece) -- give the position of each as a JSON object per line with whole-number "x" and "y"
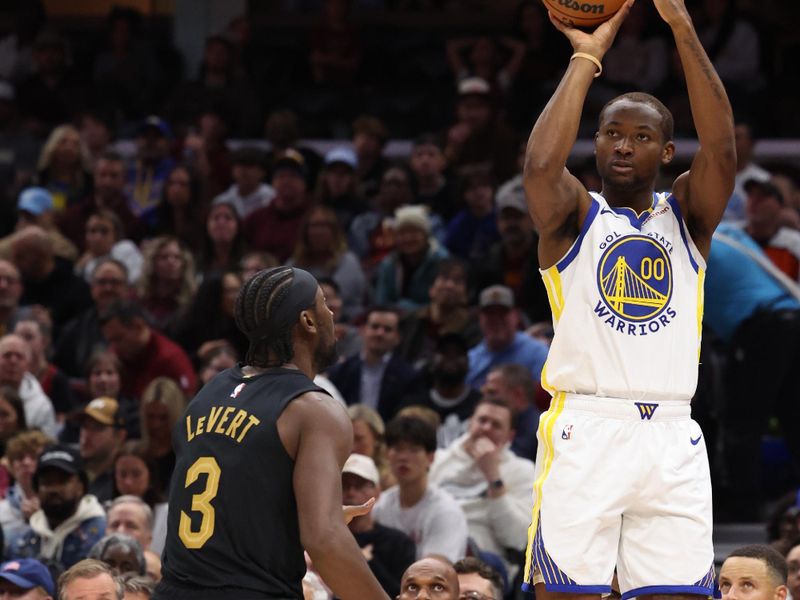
{"x": 392, "y": 553}
{"x": 232, "y": 530}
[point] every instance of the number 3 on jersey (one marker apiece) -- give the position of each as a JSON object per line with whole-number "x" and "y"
{"x": 200, "y": 503}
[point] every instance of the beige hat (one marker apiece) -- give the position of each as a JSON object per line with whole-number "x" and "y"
{"x": 412, "y": 216}
{"x": 104, "y": 410}
{"x": 496, "y": 295}
{"x": 362, "y": 466}
{"x": 512, "y": 195}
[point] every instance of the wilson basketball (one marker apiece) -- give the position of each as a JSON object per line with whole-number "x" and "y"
{"x": 583, "y": 13}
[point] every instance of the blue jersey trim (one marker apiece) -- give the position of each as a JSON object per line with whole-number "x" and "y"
{"x": 676, "y": 210}
{"x": 636, "y": 220}
{"x": 576, "y": 246}
{"x": 573, "y": 589}
{"x": 699, "y": 590}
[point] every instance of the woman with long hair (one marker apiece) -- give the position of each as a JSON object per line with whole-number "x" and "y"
{"x": 322, "y": 251}
{"x": 223, "y": 241}
{"x": 161, "y": 406}
{"x": 64, "y": 167}
{"x": 168, "y": 282}
{"x": 368, "y": 431}
{"x": 179, "y": 212}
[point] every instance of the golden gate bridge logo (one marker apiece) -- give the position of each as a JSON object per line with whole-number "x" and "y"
{"x": 635, "y": 278}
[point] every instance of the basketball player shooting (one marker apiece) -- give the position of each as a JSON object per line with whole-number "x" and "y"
{"x": 622, "y": 471}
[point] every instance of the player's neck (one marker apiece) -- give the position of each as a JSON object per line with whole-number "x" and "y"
{"x": 638, "y": 200}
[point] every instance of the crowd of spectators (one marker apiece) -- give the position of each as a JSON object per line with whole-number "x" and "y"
{"x": 120, "y": 264}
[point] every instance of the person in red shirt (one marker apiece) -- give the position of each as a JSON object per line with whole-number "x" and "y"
{"x": 145, "y": 353}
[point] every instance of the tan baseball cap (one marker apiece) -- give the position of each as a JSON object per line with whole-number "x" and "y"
{"x": 104, "y": 410}
{"x": 362, "y": 466}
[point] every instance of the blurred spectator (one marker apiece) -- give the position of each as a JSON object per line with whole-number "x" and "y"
{"x": 477, "y": 580}
{"x": 248, "y": 191}
{"x": 514, "y": 261}
{"x": 18, "y": 161}
{"x": 746, "y": 170}
{"x": 449, "y": 396}
{"x": 70, "y": 520}
{"x": 210, "y": 315}
{"x": 764, "y": 208}
{"x": 134, "y": 476}
{"x": 253, "y": 262}
{"x": 337, "y": 186}
{"x": 147, "y": 175}
{"x": 206, "y": 151}
{"x": 479, "y": 136}
{"x": 496, "y": 61}
{"x": 102, "y": 433}
{"x": 369, "y": 140}
{"x": 125, "y": 69}
{"x": 474, "y": 228}
{"x": 368, "y": 439}
{"x": 65, "y": 167}
{"x": 145, "y": 353}
{"x": 514, "y": 385}
{"x": 388, "y": 551}
{"x": 97, "y": 133}
{"x": 502, "y": 341}
{"x": 168, "y": 282}
{"x": 282, "y": 131}
{"x": 108, "y": 193}
{"x": 371, "y": 234}
{"x": 82, "y": 335}
{"x": 161, "y": 406}
{"x": 216, "y": 359}
{"x": 22, "y": 453}
{"x": 15, "y": 356}
{"x": 52, "y": 93}
{"x": 491, "y": 483}
{"x": 755, "y": 309}
{"x": 89, "y": 577}
{"x": 139, "y": 587}
{"x": 130, "y": 515}
{"x": 407, "y": 273}
{"x": 348, "y": 337}
{"x": 428, "y": 163}
{"x": 120, "y": 552}
{"x": 179, "y": 212}
{"x": 27, "y": 579}
{"x": 16, "y": 48}
{"x": 448, "y": 312}
{"x": 105, "y": 239}
{"x": 427, "y": 514}
{"x": 12, "y": 422}
{"x": 377, "y": 377}
{"x": 220, "y": 84}
{"x": 275, "y": 228}
{"x": 223, "y": 240}
{"x": 335, "y": 48}
{"x": 10, "y": 293}
{"x": 35, "y": 327}
{"x": 322, "y": 251}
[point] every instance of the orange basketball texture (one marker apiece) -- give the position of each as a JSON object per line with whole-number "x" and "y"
{"x": 583, "y": 13}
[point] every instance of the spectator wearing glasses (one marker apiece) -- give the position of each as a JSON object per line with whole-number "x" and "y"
{"x": 477, "y": 580}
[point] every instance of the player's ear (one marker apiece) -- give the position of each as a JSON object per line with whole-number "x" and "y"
{"x": 667, "y": 153}
{"x": 308, "y": 320}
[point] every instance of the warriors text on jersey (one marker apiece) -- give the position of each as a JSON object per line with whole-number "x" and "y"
{"x": 627, "y": 303}
{"x": 232, "y": 523}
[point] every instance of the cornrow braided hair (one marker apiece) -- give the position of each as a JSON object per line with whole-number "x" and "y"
{"x": 254, "y": 305}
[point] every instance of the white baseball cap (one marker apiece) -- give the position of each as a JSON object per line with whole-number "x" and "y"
{"x": 362, "y": 466}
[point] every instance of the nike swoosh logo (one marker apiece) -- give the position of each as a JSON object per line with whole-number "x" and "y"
{"x": 697, "y": 441}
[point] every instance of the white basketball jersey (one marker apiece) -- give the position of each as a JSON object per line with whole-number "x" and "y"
{"x": 627, "y": 302}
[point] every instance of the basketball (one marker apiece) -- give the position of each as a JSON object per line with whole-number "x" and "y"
{"x": 583, "y": 13}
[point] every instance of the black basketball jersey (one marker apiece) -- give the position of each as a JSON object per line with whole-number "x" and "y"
{"x": 232, "y": 522}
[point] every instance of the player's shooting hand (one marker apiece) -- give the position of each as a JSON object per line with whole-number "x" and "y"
{"x": 672, "y": 11}
{"x": 357, "y": 510}
{"x": 598, "y": 41}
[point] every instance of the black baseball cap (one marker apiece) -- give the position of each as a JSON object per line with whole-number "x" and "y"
{"x": 62, "y": 457}
{"x": 765, "y": 186}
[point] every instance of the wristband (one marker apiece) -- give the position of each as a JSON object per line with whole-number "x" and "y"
{"x": 591, "y": 58}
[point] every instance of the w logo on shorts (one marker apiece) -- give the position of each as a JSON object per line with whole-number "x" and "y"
{"x": 646, "y": 411}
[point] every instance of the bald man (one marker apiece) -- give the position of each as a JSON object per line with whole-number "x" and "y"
{"x": 15, "y": 357}
{"x": 431, "y": 578}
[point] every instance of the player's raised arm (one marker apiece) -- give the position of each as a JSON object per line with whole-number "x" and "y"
{"x": 705, "y": 190}
{"x": 323, "y": 444}
{"x": 556, "y": 199}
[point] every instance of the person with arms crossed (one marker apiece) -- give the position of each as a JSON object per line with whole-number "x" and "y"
{"x": 624, "y": 273}
{"x": 259, "y": 455}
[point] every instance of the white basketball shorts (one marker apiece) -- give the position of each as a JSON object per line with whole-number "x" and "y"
{"x": 620, "y": 484}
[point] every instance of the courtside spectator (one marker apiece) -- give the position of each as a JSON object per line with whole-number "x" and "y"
{"x": 102, "y": 432}
{"x": 515, "y": 385}
{"x": 10, "y": 293}
{"x": 477, "y": 580}
{"x": 15, "y": 358}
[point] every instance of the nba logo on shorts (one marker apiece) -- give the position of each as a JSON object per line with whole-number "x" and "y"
{"x": 237, "y": 390}
{"x": 566, "y": 434}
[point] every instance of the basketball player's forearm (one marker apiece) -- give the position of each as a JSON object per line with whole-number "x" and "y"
{"x": 711, "y": 109}
{"x": 556, "y": 128}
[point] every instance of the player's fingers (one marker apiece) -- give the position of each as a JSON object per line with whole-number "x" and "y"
{"x": 357, "y": 510}
{"x": 619, "y": 17}
{"x": 558, "y": 23}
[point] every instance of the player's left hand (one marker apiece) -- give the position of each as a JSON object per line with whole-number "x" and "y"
{"x": 357, "y": 510}
{"x": 672, "y": 11}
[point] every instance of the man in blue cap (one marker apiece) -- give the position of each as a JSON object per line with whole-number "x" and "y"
{"x": 26, "y": 579}
{"x": 35, "y": 207}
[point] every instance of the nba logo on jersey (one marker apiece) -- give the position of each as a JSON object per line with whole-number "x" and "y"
{"x": 237, "y": 390}
{"x": 566, "y": 433}
{"x": 634, "y": 278}
{"x": 646, "y": 411}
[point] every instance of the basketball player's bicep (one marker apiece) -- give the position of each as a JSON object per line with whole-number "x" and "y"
{"x": 707, "y": 189}
{"x": 552, "y": 200}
